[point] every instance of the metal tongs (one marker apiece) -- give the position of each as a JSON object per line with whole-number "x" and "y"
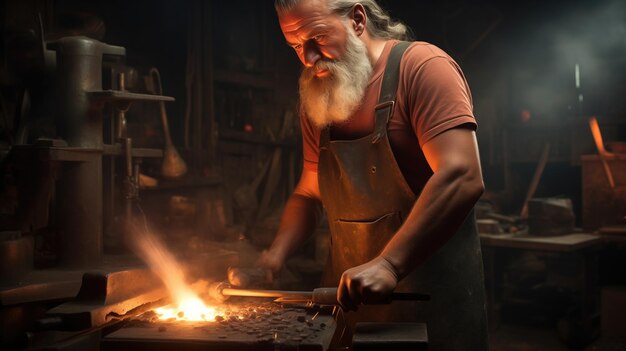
{"x": 319, "y": 296}
{"x": 328, "y": 296}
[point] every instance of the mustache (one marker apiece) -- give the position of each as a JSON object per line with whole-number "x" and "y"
{"x": 321, "y": 65}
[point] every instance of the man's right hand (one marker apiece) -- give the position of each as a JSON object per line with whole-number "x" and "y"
{"x": 271, "y": 263}
{"x": 299, "y": 219}
{"x": 264, "y": 273}
{"x": 246, "y": 277}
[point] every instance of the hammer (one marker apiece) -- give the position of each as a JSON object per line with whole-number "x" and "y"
{"x": 221, "y": 291}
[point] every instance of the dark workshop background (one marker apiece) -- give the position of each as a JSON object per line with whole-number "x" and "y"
{"x": 235, "y": 122}
{"x": 519, "y": 58}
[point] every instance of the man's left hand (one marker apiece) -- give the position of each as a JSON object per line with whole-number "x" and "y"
{"x": 369, "y": 283}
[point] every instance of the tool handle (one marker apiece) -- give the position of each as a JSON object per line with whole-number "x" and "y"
{"x": 410, "y": 296}
{"x": 328, "y": 296}
{"x": 597, "y": 138}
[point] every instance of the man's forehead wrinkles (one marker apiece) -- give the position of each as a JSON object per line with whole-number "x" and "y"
{"x": 294, "y": 22}
{"x": 302, "y": 30}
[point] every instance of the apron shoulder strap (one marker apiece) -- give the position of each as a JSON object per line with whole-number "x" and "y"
{"x": 386, "y": 99}
{"x": 388, "y": 89}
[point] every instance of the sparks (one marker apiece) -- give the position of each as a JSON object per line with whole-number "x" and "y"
{"x": 187, "y": 305}
{"x": 191, "y": 308}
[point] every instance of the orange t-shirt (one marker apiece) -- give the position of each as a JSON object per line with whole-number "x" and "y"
{"x": 432, "y": 97}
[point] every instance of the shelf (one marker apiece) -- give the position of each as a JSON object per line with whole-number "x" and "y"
{"x": 116, "y": 150}
{"x": 118, "y": 95}
{"x": 78, "y": 154}
{"x": 187, "y": 182}
{"x": 47, "y": 153}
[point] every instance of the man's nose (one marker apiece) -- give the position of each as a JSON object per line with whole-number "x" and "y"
{"x": 311, "y": 55}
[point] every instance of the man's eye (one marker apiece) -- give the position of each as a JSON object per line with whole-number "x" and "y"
{"x": 297, "y": 46}
{"x": 318, "y": 37}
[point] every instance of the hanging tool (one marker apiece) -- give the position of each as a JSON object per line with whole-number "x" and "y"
{"x": 321, "y": 296}
{"x": 173, "y": 165}
{"x": 536, "y": 178}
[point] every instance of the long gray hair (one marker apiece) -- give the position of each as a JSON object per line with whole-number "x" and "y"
{"x": 379, "y": 23}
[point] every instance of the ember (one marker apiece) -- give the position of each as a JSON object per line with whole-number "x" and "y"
{"x": 190, "y": 309}
{"x": 238, "y": 325}
{"x": 187, "y": 306}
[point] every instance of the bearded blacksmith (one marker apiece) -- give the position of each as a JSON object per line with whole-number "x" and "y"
{"x": 390, "y": 154}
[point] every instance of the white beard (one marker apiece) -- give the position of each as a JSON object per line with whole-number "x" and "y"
{"x": 335, "y": 97}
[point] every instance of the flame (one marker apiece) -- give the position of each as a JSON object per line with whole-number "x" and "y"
{"x": 187, "y": 306}
{"x": 191, "y": 308}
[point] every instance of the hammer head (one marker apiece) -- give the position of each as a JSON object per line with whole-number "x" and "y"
{"x": 215, "y": 291}
{"x": 247, "y": 277}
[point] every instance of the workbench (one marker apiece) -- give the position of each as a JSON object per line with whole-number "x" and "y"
{"x": 569, "y": 261}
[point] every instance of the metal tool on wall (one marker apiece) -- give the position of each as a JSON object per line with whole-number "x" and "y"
{"x": 173, "y": 165}
{"x": 543, "y": 160}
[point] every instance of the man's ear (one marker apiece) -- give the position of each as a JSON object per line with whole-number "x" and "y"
{"x": 358, "y": 19}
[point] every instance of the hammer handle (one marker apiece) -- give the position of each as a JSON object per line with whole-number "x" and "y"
{"x": 328, "y": 296}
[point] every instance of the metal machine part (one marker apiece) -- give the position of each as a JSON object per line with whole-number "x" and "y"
{"x": 104, "y": 297}
{"x": 121, "y": 110}
{"x": 79, "y": 122}
{"x": 79, "y": 72}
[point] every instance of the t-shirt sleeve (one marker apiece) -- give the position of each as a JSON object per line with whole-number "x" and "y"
{"x": 310, "y": 143}
{"x": 440, "y": 98}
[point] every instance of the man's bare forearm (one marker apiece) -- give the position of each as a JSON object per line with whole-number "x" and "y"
{"x": 299, "y": 219}
{"x": 441, "y": 208}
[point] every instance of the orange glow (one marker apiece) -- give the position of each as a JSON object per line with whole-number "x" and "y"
{"x": 187, "y": 308}
{"x": 525, "y": 116}
{"x": 187, "y": 305}
{"x": 597, "y": 136}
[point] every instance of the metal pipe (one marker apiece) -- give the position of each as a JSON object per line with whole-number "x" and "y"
{"x": 128, "y": 152}
{"x": 131, "y": 192}
{"x": 121, "y": 113}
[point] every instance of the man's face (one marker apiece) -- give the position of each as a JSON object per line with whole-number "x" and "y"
{"x": 336, "y": 64}
{"x": 314, "y": 33}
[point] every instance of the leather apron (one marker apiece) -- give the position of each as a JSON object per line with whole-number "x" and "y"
{"x": 366, "y": 199}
